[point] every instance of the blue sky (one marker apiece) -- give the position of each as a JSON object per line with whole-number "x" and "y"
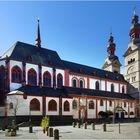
{"x": 78, "y": 31}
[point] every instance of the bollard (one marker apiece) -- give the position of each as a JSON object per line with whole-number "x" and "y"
{"x": 50, "y": 132}
{"x": 30, "y": 129}
{"x": 56, "y": 134}
{"x": 93, "y": 126}
{"x": 47, "y": 130}
{"x": 78, "y": 124}
{"x": 85, "y": 125}
{"x": 104, "y": 127}
{"x": 73, "y": 124}
{"x": 119, "y": 128}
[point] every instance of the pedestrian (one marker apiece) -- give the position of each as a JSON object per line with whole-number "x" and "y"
{"x": 45, "y": 124}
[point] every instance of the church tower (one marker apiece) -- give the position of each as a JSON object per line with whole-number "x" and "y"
{"x": 132, "y": 59}
{"x": 112, "y": 62}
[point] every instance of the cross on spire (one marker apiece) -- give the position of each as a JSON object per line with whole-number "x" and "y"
{"x": 38, "y": 38}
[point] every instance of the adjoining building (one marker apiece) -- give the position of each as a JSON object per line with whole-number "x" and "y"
{"x": 35, "y": 81}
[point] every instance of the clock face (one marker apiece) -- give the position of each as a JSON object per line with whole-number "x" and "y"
{"x": 130, "y": 70}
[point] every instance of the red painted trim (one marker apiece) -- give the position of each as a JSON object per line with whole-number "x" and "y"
{"x": 60, "y": 105}
{"x": 128, "y": 109}
{"x": 43, "y": 105}
{"x": 88, "y": 86}
{"x": 67, "y": 77}
{"x": 96, "y": 108}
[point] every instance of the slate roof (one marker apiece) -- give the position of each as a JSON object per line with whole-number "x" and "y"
{"x": 30, "y": 53}
{"x": 82, "y": 69}
{"x": 68, "y": 91}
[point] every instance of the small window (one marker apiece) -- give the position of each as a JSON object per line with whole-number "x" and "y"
{"x": 122, "y": 89}
{"x": 66, "y": 106}
{"x": 32, "y": 77}
{"x": 131, "y": 113}
{"x": 110, "y": 103}
{"x": 81, "y": 84}
{"x": 47, "y": 79}
{"x": 124, "y": 104}
{"x": 59, "y": 80}
{"x": 34, "y": 105}
{"x": 74, "y": 83}
{"x": 11, "y": 106}
{"x": 91, "y": 105}
{"x": 74, "y": 104}
{"x": 112, "y": 87}
{"x": 97, "y": 85}
{"x": 52, "y": 105}
{"x": 101, "y": 103}
{"x": 133, "y": 78}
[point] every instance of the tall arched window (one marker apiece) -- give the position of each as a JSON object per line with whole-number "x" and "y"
{"x": 91, "y": 105}
{"x": 34, "y": 105}
{"x": 66, "y": 106}
{"x": 47, "y": 79}
{"x": 32, "y": 77}
{"x": 74, "y": 104}
{"x": 97, "y": 85}
{"x": 52, "y": 105}
{"x": 101, "y": 103}
{"x": 112, "y": 87}
{"x": 74, "y": 82}
{"x": 16, "y": 74}
{"x": 59, "y": 80}
{"x": 81, "y": 83}
{"x": 122, "y": 89}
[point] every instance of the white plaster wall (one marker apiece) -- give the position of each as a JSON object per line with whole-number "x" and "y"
{"x": 52, "y": 112}
{"x": 28, "y": 67}
{"x": 13, "y": 63}
{"x": 101, "y": 108}
{"x": 121, "y": 88}
{"x": 102, "y": 85}
{"x": 70, "y": 102}
{"x": 78, "y": 78}
{"x": 116, "y": 86}
{"x": 92, "y": 83}
{"x": 50, "y": 70}
{"x": 91, "y": 113}
{"x": 23, "y": 105}
{"x": 63, "y": 74}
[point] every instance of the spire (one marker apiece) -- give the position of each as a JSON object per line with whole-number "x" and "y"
{"x": 111, "y": 45}
{"x": 135, "y": 17}
{"x": 38, "y": 38}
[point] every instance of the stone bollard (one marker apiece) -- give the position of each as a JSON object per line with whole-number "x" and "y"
{"x": 78, "y": 124}
{"x": 56, "y": 134}
{"x": 47, "y": 130}
{"x": 85, "y": 125}
{"x": 93, "y": 126}
{"x": 104, "y": 127}
{"x": 73, "y": 124}
{"x": 50, "y": 132}
{"x": 30, "y": 129}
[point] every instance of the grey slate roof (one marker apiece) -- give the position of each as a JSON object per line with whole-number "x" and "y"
{"x": 30, "y": 53}
{"x": 69, "y": 91}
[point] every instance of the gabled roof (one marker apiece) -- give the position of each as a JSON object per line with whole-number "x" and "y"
{"x": 82, "y": 69}
{"x": 30, "y": 53}
{"x": 69, "y": 91}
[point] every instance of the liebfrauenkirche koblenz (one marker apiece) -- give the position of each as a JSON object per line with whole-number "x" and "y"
{"x": 35, "y": 81}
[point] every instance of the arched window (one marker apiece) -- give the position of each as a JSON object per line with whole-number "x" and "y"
{"x": 101, "y": 103}
{"x": 66, "y": 106}
{"x": 47, "y": 79}
{"x": 124, "y": 104}
{"x": 81, "y": 83}
{"x": 131, "y": 113}
{"x": 112, "y": 87}
{"x": 59, "y": 80}
{"x": 11, "y": 105}
{"x": 110, "y": 103}
{"x": 91, "y": 105}
{"x": 97, "y": 85}
{"x": 32, "y": 77}
{"x": 16, "y": 74}
{"x": 34, "y": 105}
{"x": 52, "y": 105}
{"x": 74, "y": 104}
{"x": 122, "y": 89}
{"x": 74, "y": 82}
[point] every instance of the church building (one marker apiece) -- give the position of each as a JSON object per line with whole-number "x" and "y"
{"x": 35, "y": 81}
